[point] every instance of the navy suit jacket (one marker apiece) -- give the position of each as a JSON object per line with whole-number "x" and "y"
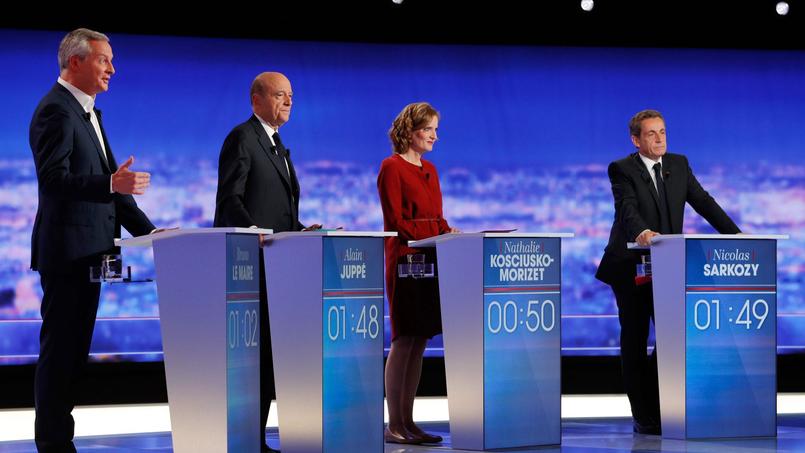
{"x": 253, "y": 187}
{"x": 637, "y": 209}
{"x": 77, "y": 218}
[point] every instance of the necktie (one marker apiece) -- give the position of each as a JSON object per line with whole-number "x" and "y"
{"x": 665, "y": 223}
{"x": 96, "y": 126}
{"x": 280, "y": 150}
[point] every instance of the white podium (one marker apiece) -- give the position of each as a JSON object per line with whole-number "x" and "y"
{"x": 715, "y": 311}
{"x": 325, "y": 301}
{"x": 501, "y": 316}
{"x": 208, "y": 290}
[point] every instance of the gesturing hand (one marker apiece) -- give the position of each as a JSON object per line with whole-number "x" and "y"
{"x": 130, "y": 182}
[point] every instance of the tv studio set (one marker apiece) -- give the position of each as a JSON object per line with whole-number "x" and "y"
{"x": 403, "y": 226}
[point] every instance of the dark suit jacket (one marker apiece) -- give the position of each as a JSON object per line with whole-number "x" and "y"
{"x": 253, "y": 188}
{"x": 637, "y": 209}
{"x": 77, "y": 217}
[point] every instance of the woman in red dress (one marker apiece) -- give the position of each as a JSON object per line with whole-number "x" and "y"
{"x": 412, "y": 206}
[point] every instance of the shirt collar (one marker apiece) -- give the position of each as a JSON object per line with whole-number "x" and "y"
{"x": 649, "y": 163}
{"x": 86, "y": 101}
{"x": 269, "y": 130}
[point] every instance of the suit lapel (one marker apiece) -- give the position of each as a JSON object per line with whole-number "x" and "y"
{"x": 646, "y": 179}
{"x": 292, "y": 171}
{"x": 73, "y": 103}
{"x": 673, "y": 178}
{"x": 111, "y": 164}
{"x": 268, "y": 148}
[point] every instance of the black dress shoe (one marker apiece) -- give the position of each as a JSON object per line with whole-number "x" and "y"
{"x": 267, "y": 449}
{"x": 652, "y": 429}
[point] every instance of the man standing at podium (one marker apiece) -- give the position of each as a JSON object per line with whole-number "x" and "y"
{"x": 650, "y": 188}
{"x": 84, "y": 198}
{"x": 257, "y": 188}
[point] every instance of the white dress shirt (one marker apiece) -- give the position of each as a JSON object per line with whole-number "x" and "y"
{"x": 271, "y": 131}
{"x": 649, "y": 163}
{"x": 87, "y": 102}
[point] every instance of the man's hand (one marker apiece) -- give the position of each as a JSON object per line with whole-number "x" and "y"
{"x": 159, "y": 230}
{"x": 314, "y": 227}
{"x": 130, "y": 182}
{"x": 644, "y": 238}
{"x": 454, "y": 230}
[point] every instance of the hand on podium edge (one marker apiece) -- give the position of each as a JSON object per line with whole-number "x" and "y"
{"x": 644, "y": 238}
{"x": 454, "y": 230}
{"x": 160, "y": 230}
{"x": 314, "y": 227}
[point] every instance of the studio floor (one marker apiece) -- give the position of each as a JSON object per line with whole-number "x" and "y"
{"x": 600, "y": 433}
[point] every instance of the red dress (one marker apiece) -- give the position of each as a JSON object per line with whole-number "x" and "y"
{"x": 412, "y": 206}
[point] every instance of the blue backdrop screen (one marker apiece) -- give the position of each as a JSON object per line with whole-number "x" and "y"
{"x": 525, "y": 135}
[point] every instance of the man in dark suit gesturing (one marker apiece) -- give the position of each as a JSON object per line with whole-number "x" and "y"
{"x": 84, "y": 198}
{"x": 257, "y": 187}
{"x": 650, "y": 188}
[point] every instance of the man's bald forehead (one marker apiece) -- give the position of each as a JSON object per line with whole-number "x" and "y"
{"x": 273, "y": 77}
{"x": 265, "y": 80}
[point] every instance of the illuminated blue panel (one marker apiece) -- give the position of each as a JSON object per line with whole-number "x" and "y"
{"x": 243, "y": 342}
{"x": 352, "y": 336}
{"x": 522, "y": 308}
{"x": 517, "y": 174}
{"x": 731, "y": 338}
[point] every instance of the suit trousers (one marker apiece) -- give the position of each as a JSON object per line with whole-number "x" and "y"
{"x": 267, "y": 392}
{"x": 69, "y": 307}
{"x": 636, "y": 313}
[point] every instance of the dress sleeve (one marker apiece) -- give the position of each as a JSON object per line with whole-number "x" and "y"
{"x": 444, "y": 227}
{"x": 389, "y": 187}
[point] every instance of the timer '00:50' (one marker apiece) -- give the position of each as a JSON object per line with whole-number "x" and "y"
{"x": 507, "y": 317}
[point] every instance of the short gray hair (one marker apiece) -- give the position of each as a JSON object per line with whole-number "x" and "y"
{"x": 77, "y": 43}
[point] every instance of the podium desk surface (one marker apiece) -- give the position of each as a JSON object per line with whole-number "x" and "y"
{"x": 330, "y": 233}
{"x": 667, "y": 237}
{"x": 148, "y": 239}
{"x": 432, "y": 241}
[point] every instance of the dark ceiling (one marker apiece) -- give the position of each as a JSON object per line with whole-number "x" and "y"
{"x": 631, "y": 23}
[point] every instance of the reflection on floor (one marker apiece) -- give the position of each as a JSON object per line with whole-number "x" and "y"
{"x": 600, "y": 435}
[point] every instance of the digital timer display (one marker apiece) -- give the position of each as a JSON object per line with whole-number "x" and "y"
{"x": 352, "y": 337}
{"x": 731, "y": 337}
{"x": 522, "y": 318}
{"x": 242, "y": 341}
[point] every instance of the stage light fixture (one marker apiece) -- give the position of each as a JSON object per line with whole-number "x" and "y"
{"x": 587, "y": 5}
{"x": 781, "y": 8}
